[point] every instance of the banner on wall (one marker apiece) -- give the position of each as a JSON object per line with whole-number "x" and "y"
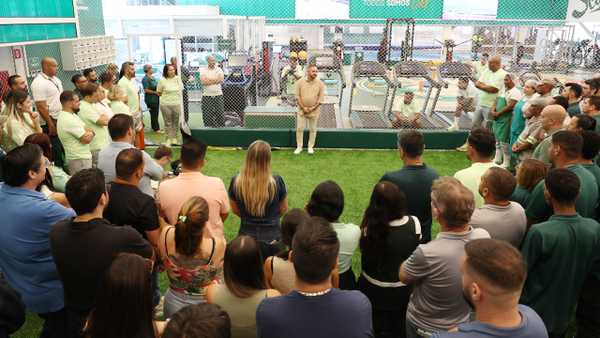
{"x": 418, "y": 9}
{"x": 583, "y": 10}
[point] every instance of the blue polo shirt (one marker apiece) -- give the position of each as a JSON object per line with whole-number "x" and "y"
{"x": 25, "y": 257}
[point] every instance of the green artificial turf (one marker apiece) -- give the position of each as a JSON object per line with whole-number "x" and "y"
{"x": 356, "y": 171}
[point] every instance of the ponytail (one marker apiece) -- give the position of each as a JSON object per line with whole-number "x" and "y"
{"x": 190, "y": 226}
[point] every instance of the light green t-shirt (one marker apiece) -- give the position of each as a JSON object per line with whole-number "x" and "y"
{"x": 70, "y": 129}
{"x": 131, "y": 89}
{"x": 90, "y": 115}
{"x": 171, "y": 90}
{"x": 471, "y": 177}
{"x": 59, "y": 178}
{"x": 494, "y": 79}
{"x": 349, "y": 236}
{"x": 410, "y": 109}
{"x": 119, "y": 107}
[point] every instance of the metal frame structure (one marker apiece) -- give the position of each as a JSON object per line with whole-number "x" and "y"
{"x": 413, "y": 70}
{"x": 329, "y": 62}
{"x": 370, "y": 69}
{"x": 408, "y": 42}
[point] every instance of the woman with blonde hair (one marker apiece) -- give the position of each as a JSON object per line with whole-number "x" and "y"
{"x": 193, "y": 260}
{"x": 20, "y": 120}
{"x": 257, "y": 196}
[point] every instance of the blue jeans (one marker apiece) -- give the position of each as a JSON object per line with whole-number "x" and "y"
{"x": 175, "y": 301}
{"x": 481, "y": 117}
{"x": 261, "y": 233}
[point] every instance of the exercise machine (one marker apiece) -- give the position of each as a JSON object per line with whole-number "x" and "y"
{"x": 407, "y": 43}
{"x": 236, "y": 88}
{"x": 451, "y": 71}
{"x": 331, "y": 73}
{"x": 366, "y": 76}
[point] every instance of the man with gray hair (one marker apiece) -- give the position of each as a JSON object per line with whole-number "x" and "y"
{"x": 531, "y": 136}
{"x": 213, "y": 106}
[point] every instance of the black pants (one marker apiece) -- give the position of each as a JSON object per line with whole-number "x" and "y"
{"x": 55, "y": 324}
{"x": 75, "y": 323}
{"x": 58, "y": 152}
{"x": 186, "y": 104}
{"x": 389, "y": 307}
{"x": 153, "y": 116}
{"x": 588, "y": 310}
{"x": 213, "y": 111}
{"x": 348, "y": 280}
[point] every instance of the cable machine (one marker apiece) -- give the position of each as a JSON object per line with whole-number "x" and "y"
{"x": 408, "y": 42}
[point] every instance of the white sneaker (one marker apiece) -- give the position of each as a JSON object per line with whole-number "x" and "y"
{"x": 311, "y": 151}
{"x": 297, "y": 151}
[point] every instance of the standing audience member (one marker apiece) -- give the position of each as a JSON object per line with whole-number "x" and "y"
{"x": 327, "y": 201}
{"x": 120, "y": 128}
{"x": 90, "y": 75}
{"x": 565, "y": 152}
{"x": 481, "y": 147}
{"x": 589, "y": 152}
{"x": 151, "y": 98}
{"x": 433, "y": 269}
{"x": 173, "y": 193}
{"x": 128, "y": 83}
{"x": 310, "y": 93}
{"x": 107, "y": 81}
{"x": 94, "y": 120}
{"x": 46, "y": 89}
{"x": 493, "y": 278}
{"x": 561, "y": 101}
{"x": 572, "y": 93}
{"x": 552, "y": 117}
{"x": 12, "y": 310}
{"x": 129, "y": 206}
{"x": 490, "y": 84}
{"x": 290, "y": 74}
{"x": 56, "y": 178}
{"x": 518, "y": 119}
{"x": 315, "y": 309}
{"x": 170, "y": 89}
{"x": 118, "y": 100}
{"x": 414, "y": 179}
{"x": 123, "y": 306}
{"x": 244, "y": 286}
{"x": 15, "y": 82}
{"x": 79, "y": 81}
{"x": 501, "y": 113}
{"x": 257, "y": 196}
{"x": 559, "y": 254}
{"x": 279, "y": 270}
{"x": 192, "y": 258}
{"x": 389, "y": 236}
{"x": 532, "y": 135}
{"x": 103, "y": 104}
{"x": 582, "y": 122}
{"x": 202, "y": 320}
{"x": 213, "y": 106}
{"x": 21, "y": 120}
{"x": 85, "y": 246}
{"x": 501, "y": 218}
{"x": 25, "y": 258}
{"x": 591, "y": 107}
{"x": 73, "y": 134}
{"x": 114, "y": 69}
{"x": 529, "y": 173}
{"x": 544, "y": 89}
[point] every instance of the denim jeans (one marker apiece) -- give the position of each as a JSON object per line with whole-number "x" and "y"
{"x": 481, "y": 117}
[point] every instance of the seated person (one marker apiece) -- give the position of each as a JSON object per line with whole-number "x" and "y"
{"x": 201, "y": 320}
{"x": 163, "y": 155}
{"x": 466, "y": 101}
{"x": 409, "y": 115}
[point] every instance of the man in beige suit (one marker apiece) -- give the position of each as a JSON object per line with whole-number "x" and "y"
{"x": 310, "y": 93}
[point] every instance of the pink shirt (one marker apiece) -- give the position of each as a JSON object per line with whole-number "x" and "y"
{"x": 173, "y": 193}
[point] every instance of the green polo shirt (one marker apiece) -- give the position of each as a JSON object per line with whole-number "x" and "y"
{"x": 594, "y": 170}
{"x": 538, "y": 210}
{"x": 574, "y": 108}
{"x": 559, "y": 254}
{"x": 70, "y": 127}
{"x": 494, "y": 79}
{"x": 541, "y": 151}
{"x": 90, "y": 115}
{"x": 150, "y": 83}
{"x": 521, "y": 196}
{"x": 131, "y": 89}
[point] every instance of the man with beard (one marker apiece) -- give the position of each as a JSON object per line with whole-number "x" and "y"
{"x": 493, "y": 276}
{"x": 560, "y": 253}
{"x": 73, "y": 134}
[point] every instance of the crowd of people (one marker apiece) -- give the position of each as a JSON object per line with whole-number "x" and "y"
{"x": 85, "y": 241}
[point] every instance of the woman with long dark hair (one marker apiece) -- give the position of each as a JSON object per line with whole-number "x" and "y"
{"x": 192, "y": 259}
{"x": 123, "y": 307}
{"x": 244, "y": 287}
{"x": 20, "y": 120}
{"x": 389, "y": 236}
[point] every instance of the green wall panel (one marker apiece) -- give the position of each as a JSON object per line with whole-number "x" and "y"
{"x": 532, "y": 9}
{"x": 37, "y": 8}
{"x": 268, "y": 8}
{"x": 35, "y": 32}
{"x": 91, "y": 20}
{"x": 418, "y": 9}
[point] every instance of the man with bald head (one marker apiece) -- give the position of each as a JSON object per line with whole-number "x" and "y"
{"x": 213, "y": 109}
{"x": 490, "y": 84}
{"x": 553, "y": 118}
{"x": 46, "y": 89}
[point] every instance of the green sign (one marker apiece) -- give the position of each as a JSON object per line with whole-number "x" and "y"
{"x": 532, "y": 9}
{"x": 418, "y": 9}
{"x": 268, "y": 8}
{"x": 36, "y": 32}
{"x": 37, "y": 9}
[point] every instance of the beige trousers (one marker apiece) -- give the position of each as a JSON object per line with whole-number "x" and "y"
{"x": 301, "y": 122}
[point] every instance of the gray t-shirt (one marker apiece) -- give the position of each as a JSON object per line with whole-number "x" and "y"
{"x": 507, "y": 223}
{"x": 437, "y": 302}
{"x": 531, "y": 326}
